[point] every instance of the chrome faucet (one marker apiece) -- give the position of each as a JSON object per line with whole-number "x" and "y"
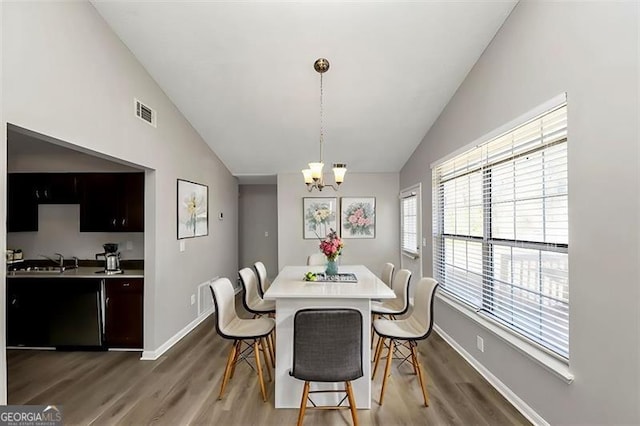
{"x": 59, "y": 262}
{"x": 75, "y": 262}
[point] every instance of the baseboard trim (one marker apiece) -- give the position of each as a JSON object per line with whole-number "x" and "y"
{"x": 154, "y": 355}
{"x": 504, "y": 390}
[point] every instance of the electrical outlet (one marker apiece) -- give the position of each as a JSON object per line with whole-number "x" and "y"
{"x": 193, "y": 299}
{"x": 480, "y": 343}
{"x": 266, "y": 233}
{"x": 424, "y": 242}
{"x": 182, "y": 245}
{"x": 129, "y": 245}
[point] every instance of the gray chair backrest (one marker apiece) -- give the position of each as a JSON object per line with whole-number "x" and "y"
{"x": 263, "y": 280}
{"x": 327, "y": 345}
{"x": 387, "y": 273}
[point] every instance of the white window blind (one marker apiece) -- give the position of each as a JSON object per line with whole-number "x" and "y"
{"x": 410, "y": 224}
{"x": 500, "y": 229}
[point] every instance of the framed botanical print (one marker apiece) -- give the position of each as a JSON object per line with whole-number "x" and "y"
{"x": 358, "y": 217}
{"x": 193, "y": 206}
{"x": 319, "y": 216}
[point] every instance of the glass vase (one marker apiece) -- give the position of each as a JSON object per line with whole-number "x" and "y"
{"x": 332, "y": 267}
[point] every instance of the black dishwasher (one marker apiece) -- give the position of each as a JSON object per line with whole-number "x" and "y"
{"x": 75, "y": 314}
{"x": 54, "y": 312}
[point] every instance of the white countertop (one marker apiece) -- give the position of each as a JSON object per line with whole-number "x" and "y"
{"x": 290, "y": 284}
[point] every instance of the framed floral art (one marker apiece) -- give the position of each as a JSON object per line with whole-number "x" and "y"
{"x": 358, "y": 217}
{"x": 319, "y": 216}
{"x": 193, "y": 209}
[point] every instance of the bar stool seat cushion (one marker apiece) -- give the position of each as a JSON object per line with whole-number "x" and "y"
{"x": 248, "y": 328}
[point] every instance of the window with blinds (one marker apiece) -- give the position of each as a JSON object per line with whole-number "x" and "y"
{"x": 500, "y": 229}
{"x": 409, "y": 214}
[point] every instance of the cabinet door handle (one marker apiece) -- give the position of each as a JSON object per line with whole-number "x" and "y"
{"x": 37, "y": 194}
{"x": 125, "y": 284}
{"x": 106, "y": 302}
{"x": 124, "y": 221}
{"x": 46, "y": 195}
{"x": 113, "y": 222}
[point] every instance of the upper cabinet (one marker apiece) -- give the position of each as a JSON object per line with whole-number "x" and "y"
{"x": 55, "y": 188}
{"x": 22, "y": 204}
{"x": 112, "y": 202}
{"x": 109, "y": 202}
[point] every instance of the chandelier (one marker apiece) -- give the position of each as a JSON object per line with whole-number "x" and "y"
{"x": 313, "y": 176}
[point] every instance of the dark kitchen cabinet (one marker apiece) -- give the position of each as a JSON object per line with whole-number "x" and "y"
{"x": 112, "y": 202}
{"x": 22, "y": 205}
{"x": 27, "y": 316}
{"x": 56, "y": 188}
{"x": 25, "y": 191}
{"x": 123, "y": 312}
{"x": 53, "y": 312}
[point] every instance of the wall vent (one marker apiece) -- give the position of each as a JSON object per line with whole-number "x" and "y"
{"x": 205, "y": 300}
{"x": 145, "y": 113}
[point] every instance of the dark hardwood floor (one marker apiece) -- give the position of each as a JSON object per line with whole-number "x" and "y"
{"x": 182, "y": 387}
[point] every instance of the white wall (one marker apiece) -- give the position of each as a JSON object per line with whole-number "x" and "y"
{"x": 60, "y": 58}
{"x": 373, "y": 253}
{"x": 589, "y": 50}
{"x": 257, "y": 215}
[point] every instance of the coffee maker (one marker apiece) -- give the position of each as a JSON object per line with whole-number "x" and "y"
{"x": 111, "y": 258}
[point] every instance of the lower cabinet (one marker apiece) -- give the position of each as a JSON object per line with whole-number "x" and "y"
{"x": 123, "y": 312}
{"x": 58, "y": 312}
{"x": 75, "y": 313}
{"x": 27, "y": 312}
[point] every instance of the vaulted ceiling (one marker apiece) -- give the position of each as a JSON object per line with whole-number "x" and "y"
{"x": 242, "y": 73}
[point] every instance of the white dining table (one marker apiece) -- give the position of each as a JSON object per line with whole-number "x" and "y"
{"x": 291, "y": 293}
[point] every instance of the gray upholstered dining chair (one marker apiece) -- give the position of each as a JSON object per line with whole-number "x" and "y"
{"x": 407, "y": 332}
{"x": 327, "y": 347}
{"x": 251, "y": 332}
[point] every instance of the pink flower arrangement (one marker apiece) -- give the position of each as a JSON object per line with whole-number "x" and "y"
{"x": 332, "y": 245}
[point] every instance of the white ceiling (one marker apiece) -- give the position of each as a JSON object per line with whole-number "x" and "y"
{"x": 242, "y": 73}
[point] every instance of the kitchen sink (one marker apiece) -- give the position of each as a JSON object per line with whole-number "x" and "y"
{"x": 42, "y": 269}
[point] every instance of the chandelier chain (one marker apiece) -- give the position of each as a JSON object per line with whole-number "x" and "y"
{"x": 321, "y": 118}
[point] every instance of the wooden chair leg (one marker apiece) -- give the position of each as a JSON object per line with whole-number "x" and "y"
{"x": 373, "y": 334}
{"x": 256, "y": 351}
{"x": 227, "y": 370}
{"x": 425, "y": 394}
{"x": 352, "y": 404}
{"x": 387, "y": 370}
{"x": 272, "y": 349}
{"x": 303, "y": 403}
{"x": 265, "y": 356}
{"x": 414, "y": 360}
{"x": 235, "y": 358}
{"x": 379, "y": 347}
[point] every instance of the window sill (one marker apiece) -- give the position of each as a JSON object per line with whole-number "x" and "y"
{"x": 559, "y": 368}
{"x": 410, "y": 255}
